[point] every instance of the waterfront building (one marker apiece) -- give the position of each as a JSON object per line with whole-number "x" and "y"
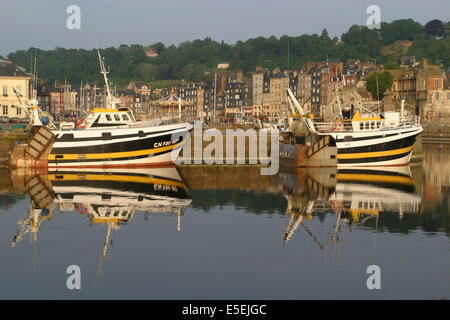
{"x": 260, "y": 79}
{"x": 304, "y": 90}
{"x": 278, "y": 106}
{"x": 431, "y": 93}
{"x": 234, "y": 99}
{"x": 12, "y": 76}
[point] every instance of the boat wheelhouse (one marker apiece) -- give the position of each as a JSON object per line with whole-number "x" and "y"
{"x": 102, "y": 117}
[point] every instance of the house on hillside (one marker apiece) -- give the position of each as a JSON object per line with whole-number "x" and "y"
{"x": 404, "y": 84}
{"x": 149, "y": 52}
{"x": 139, "y": 87}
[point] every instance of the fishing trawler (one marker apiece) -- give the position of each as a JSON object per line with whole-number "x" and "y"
{"x": 108, "y": 137}
{"x": 355, "y": 137}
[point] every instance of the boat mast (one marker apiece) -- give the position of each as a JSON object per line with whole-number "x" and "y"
{"x": 104, "y": 72}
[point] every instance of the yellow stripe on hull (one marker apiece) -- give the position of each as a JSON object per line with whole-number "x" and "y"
{"x": 374, "y": 154}
{"x": 374, "y": 178}
{"x": 114, "y": 177}
{"x": 112, "y": 155}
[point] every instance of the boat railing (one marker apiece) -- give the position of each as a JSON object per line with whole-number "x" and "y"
{"x": 410, "y": 121}
{"x": 347, "y": 126}
{"x": 406, "y": 122}
{"x": 323, "y": 126}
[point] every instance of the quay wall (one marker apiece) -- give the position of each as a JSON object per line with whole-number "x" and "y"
{"x": 7, "y": 140}
{"x": 436, "y": 133}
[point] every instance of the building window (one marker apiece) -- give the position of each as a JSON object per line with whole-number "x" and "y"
{"x": 437, "y": 96}
{"x": 5, "y": 90}
{"x": 5, "y": 110}
{"x": 18, "y": 111}
{"x": 437, "y": 82}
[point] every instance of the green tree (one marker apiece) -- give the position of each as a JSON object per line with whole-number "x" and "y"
{"x": 447, "y": 30}
{"x": 190, "y": 59}
{"x": 378, "y": 83}
{"x": 435, "y": 28}
{"x": 391, "y": 65}
{"x": 324, "y": 36}
{"x": 158, "y": 47}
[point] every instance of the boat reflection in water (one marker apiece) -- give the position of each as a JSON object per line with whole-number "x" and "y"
{"x": 353, "y": 195}
{"x": 110, "y": 197}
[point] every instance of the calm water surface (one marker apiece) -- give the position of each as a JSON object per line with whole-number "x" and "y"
{"x": 228, "y": 233}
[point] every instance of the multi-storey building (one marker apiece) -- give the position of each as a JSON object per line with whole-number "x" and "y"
{"x": 43, "y": 96}
{"x": 293, "y": 82}
{"x": 261, "y": 85}
{"x": 403, "y": 84}
{"x": 278, "y": 104}
{"x": 12, "y": 76}
{"x": 189, "y": 93}
{"x": 248, "y": 92}
{"x": 432, "y": 95}
{"x": 304, "y": 90}
{"x": 326, "y": 77}
{"x": 316, "y": 79}
{"x": 234, "y": 100}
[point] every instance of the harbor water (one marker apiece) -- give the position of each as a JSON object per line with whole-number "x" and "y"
{"x": 228, "y": 232}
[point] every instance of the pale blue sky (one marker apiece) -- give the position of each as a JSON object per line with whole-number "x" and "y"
{"x": 27, "y": 23}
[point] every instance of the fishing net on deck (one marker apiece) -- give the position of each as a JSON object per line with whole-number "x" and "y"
{"x": 299, "y": 128}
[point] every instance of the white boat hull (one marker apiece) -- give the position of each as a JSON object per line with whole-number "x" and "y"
{"x": 392, "y": 148}
{"x": 118, "y": 147}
